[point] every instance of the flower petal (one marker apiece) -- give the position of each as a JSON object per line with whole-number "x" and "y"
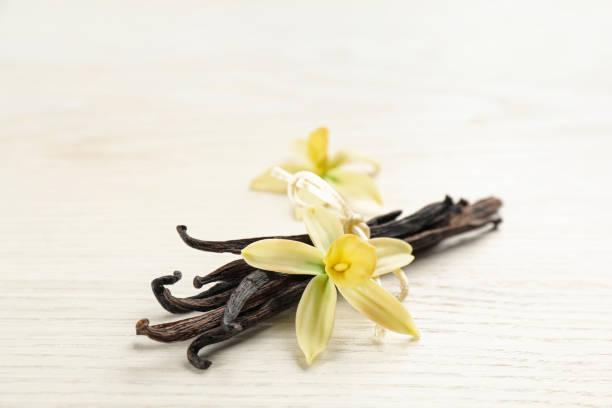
{"x": 391, "y": 254}
{"x": 265, "y": 181}
{"x": 353, "y": 185}
{"x": 323, "y": 226}
{"x": 381, "y": 307}
{"x": 350, "y": 261}
{"x": 299, "y": 149}
{"x": 345, "y": 157}
{"x": 314, "y": 320}
{"x": 317, "y": 148}
{"x": 285, "y": 256}
{"x": 308, "y": 198}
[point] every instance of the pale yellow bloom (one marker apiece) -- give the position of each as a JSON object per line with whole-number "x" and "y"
{"x": 340, "y": 260}
{"x": 312, "y": 156}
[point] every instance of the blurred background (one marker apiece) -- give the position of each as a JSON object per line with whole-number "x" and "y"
{"x": 121, "y": 119}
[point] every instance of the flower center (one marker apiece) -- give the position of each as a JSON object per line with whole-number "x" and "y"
{"x": 350, "y": 261}
{"x": 341, "y": 267}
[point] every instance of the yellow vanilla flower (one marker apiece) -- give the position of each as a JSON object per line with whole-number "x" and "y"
{"x": 337, "y": 260}
{"x": 312, "y": 156}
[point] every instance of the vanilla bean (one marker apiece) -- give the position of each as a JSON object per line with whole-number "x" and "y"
{"x": 384, "y": 225}
{"x": 180, "y": 330}
{"x": 432, "y": 214}
{"x": 206, "y": 300}
{"x": 185, "y": 329}
{"x": 479, "y": 211}
{"x": 249, "y": 285}
{"x": 233, "y": 246}
{"x": 430, "y": 238}
{"x": 472, "y": 217}
{"x": 385, "y": 218}
{"x": 237, "y": 269}
{"x": 216, "y": 335}
{"x": 272, "y": 307}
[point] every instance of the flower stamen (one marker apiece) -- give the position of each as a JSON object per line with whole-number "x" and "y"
{"x": 341, "y": 267}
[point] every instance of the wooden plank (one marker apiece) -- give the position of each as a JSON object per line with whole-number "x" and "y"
{"x": 119, "y": 121}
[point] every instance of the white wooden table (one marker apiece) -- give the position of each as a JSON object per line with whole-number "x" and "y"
{"x": 120, "y": 120}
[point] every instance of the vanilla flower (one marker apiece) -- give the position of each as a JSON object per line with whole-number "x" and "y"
{"x": 337, "y": 260}
{"x": 312, "y": 156}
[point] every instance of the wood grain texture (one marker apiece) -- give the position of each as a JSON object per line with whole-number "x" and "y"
{"x": 121, "y": 120}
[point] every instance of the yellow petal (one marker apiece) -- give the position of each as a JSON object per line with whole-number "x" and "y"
{"x": 353, "y": 185}
{"x": 345, "y": 157}
{"x": 317, "y": 148}
{"x": 381, "y": 307}
{"x": 285, "y": 256}
{"x": 323, "y": 226}
{"x": 314, "y": 320}
{"x": 391, "y": 254}
{"x": 265, "y": 182}
{"x": 350, "y": 261}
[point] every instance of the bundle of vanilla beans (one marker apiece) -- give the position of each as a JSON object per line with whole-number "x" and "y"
{"x": 243, "y": 296}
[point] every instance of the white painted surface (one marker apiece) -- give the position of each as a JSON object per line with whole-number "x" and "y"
{"x": 120, "y": 120}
